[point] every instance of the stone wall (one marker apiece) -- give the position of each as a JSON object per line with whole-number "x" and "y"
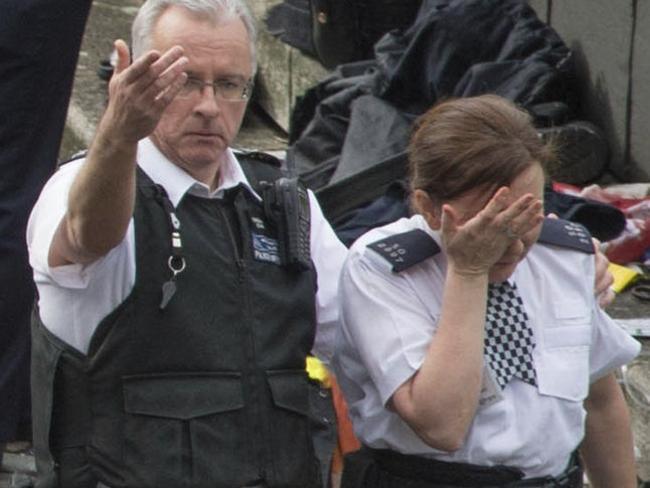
{"x": 610, "y": 41}
{"x": 284, "y": 72}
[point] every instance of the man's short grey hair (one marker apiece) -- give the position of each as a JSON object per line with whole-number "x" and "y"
{"x": 215, "y": 10}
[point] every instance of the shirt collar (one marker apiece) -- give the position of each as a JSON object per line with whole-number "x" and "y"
{"x": 177, "y": 182}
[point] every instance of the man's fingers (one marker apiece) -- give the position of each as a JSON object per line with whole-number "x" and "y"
{"x": 169, "y": 76}
{"x": 141, "y": 67}
{"x": 170, "y": 58}
{"x": 140, "y": 93}
{"x": 167, "y": 95}
{"x": 149, "y": 84}
{"x": 148, "y": 67}
{"x": 123, "y": 56}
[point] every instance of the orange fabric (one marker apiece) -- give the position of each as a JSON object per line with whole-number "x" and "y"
{"x": 346, "y": 440}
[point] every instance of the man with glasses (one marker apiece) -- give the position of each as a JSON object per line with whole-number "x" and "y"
{"x": 173, "y": 324}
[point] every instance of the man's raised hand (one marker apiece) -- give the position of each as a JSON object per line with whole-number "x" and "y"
{"x": 139, "y": 93}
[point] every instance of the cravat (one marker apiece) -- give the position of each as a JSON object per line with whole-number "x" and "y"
{"x": 509, "y": 340}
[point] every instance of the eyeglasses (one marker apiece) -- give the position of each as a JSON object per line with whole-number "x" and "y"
{"x": 229, "y": 90}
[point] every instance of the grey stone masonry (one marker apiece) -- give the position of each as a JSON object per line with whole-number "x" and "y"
{"x": 610, "y": 40}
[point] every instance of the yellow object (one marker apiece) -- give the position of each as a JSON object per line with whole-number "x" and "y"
{"x": 317, "y": 371}
{"x": 623, "y": 276}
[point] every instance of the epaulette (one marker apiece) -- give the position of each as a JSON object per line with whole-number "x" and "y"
{"x": 406, "y": 249}
{"x": 258, "y": 174}
{"x": 568, "y": 234}
{"x": 258, "y": 156}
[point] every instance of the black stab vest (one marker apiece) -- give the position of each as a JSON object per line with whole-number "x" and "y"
{"x": 209, "y": 392}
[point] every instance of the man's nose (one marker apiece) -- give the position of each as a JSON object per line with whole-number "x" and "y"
{"x": 207, "y": 105}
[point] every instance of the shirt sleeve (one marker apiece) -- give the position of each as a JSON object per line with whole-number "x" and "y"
{"x": 328, "y": 254}
{"x": 612, "y": 346}
{"x": 44, "y": 220}
{"x": 74, "y": 298}
{"x": 385, "y": 320}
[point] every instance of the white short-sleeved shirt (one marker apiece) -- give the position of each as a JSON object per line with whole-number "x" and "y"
{"x": 388, "y": 320}
{"x": 73, "y": 299}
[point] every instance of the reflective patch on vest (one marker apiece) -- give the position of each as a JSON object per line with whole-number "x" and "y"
{"x": 265, "y": 249}
{"x": 406, "y": 249}
{"x": 258, "y": 223}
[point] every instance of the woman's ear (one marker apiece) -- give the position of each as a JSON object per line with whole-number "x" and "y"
{"x": 425, "y": 206}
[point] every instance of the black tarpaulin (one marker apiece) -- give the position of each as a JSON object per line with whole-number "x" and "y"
{"x": 361, "y": 115}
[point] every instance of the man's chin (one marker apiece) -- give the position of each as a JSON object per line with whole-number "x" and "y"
{"x": 201, "y": 166}
{"x": 202, "y": 160}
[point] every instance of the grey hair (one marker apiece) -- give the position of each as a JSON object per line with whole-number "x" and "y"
{"x": 215, "y": 10}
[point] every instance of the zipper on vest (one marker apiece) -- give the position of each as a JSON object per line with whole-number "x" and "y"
{"x": 187, "y": 458}
{"x": 251, "y": 359}
{"x": 256, "y": 380}
{"x": 258, "y": 417}
{"x": 233, "y": 242}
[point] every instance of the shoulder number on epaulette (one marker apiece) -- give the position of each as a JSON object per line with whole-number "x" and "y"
{"x": 406, "y": 249}
{"x": 567, "y": 234}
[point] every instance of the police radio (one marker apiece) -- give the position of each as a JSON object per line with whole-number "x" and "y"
{"x": 289, "y": 207}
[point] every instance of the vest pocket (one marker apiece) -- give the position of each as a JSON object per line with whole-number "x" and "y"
{"x": 293, "y": 457}
{"x": 183, "y": 428}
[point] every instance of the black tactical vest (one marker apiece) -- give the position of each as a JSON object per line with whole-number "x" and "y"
{"x": 209, "y": 392}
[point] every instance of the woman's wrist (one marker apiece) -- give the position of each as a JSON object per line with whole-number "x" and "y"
{"x": 468, "y": 273}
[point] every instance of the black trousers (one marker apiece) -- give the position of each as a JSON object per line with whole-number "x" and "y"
{"x": 372, "y": 468}
{"x": 39, "y": 46}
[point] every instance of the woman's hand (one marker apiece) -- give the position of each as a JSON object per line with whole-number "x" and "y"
{"x": 474, "y": 245}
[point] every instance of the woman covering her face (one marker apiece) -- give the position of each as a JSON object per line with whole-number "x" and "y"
{"x": 472, "y": 350}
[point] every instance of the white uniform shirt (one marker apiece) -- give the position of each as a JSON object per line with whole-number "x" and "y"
{"x": 388, "y": 320}
{"x": 73, "y": 299}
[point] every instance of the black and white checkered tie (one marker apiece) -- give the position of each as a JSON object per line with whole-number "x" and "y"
{"x": 509, "y": 340}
